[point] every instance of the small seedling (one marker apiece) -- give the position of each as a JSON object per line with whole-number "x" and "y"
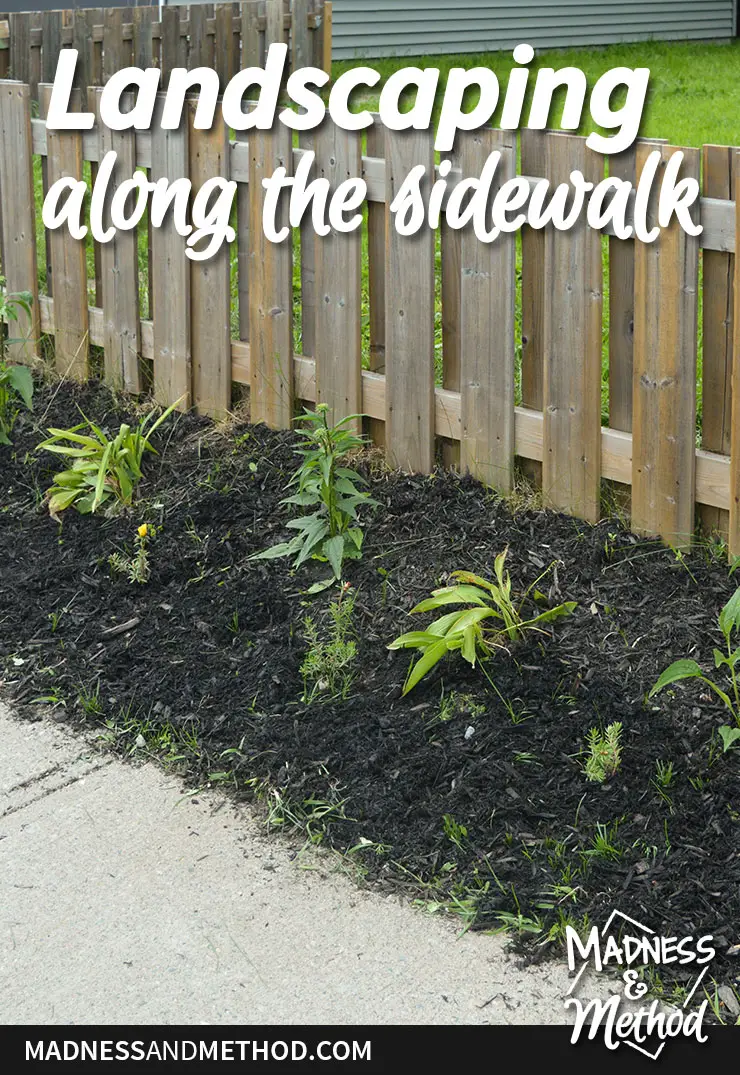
{"x": 664, "y": 773}
{"x": 136, "y": 567}
{"x": 103, "y": 469}
{"x": 454, "y": 831}
{"x": 16, "y": 389}
{"x": 332, "y": 530}
{"x": 604, "y": 753}
{"x": 328, "y": 665}
{"x": 729, "y": 737}
{"x": 490, "y": 621}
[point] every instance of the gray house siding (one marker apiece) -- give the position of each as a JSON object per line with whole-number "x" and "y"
{"x": 416, "y": 27}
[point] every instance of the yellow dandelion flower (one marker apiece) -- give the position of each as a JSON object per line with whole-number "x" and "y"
{"x": 143, "y": 530}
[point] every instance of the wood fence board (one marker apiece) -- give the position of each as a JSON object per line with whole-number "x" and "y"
{"x": 621, "y": 307}
{"x": 201, "y": 42}
{"x": 143, "y": 19}
{"x": 300, "y": 43}
{"x": 69, "y": 266}
{"x": 375, "y": 428}
{"x": 534, "y": 162}
{"x": 308, "y": 268}
{"x": 120, "y": 270}
{"x": 409, "y": 422}
{"x": 451, "y": 287}
{"x": 19, "y": 225}
{"x": 251, "y": 53}
{"x": 717, "y": 327}
{"x": 82, "y": 40}
{"x": 338, "y": 351}
{"x": 169, "y": 43}
{"x": 210, "y": 282}
{"x": 664, "y": 385}
{"x": 20, "y": 46}
{"x": 270, "y": 290}
{"x": 51, "y": 27}
{"x": 170, "y": 276}
{"x": 571, "y": 467}
{"x": 116, "y": 51}
{"x": 486, "y": 316}
{"x": 733, "y": 539}
{"x": 225, "y": 59}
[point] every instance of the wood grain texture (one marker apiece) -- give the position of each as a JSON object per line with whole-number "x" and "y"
{"x": 18, "y": 219}
{"x": 116, "y": 51}
{"x": 210, "y": 282}
{"x": 51, "y": 27}
{"x": 251, "y": 46}
{"x": 409, "y": 288}
{"x": 226, "y": 60}
{"x": 374, "y": 427}
{"x": 664, "y": 382}
{"x": 486, "y": 316}
{"x": 300, "y": 36}
{"x": 169, "y": 43}
{"x": 308, "y": 268}
{"x": 338, "y": 350}
{"x": 534, "y": 163}
{"x": 271, "y": 289}
{"x": 69, "y": 267}
{"x": 119, "y": 263}
{"x": 718, "y": 321}
{"x": 621, "y": 307}
{"x": 142, "y": 19}
{"x": 571, "y": 466}
{"x": 733, "y": 539}
{"x": 20, "y": 46}
{"x": 171, "y": 352}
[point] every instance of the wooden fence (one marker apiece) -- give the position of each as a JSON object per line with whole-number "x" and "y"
{"x": 231, "y": 319}
{"x": 223, "y": 36}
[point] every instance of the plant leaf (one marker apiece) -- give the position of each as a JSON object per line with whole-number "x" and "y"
{"x": 333, "y": 550}
{"x": 684, "y": 669}
{"x": 425, "y": 663}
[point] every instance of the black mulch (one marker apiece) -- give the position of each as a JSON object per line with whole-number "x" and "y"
{"x": 391, "y": 769}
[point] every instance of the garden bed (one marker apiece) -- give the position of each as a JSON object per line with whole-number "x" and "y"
{"x": 206, "y": 674}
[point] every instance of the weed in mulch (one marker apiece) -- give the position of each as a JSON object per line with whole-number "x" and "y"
{"x": 473, "y": 799}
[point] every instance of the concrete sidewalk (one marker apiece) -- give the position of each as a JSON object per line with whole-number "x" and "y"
{"x": 123, "y": 902}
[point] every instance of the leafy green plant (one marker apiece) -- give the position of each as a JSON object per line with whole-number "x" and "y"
{"x": 136, "y": 567}
{"x": 16, "y": 388}
{"x": 489, "y": 620}
{"x": 454, "y": 831}
{"x": 729, "y": 623}
{"x": 332, "y": 531}
{"x": 327, "y": 666}
{"x": 103, "y": 469}
{"x": 604, "y": 753}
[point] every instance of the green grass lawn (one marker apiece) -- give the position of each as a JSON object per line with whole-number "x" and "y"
{"x": 694, "y": 95}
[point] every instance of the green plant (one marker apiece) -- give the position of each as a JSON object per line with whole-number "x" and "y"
{"x": 16, "y": 388}
{"x": 454, "y": 831}
{"x": 16, "y": 383}
{"x": 729, "y": 623}
{"x": 137, "y": 566}
{"x": 604, "y": 753}
{"x": 332, "y": 532}
{"x": 490, "y": 620}
{"x": 327, "y": 666}
{"x": 103, "y": 469}
{"x": 664, "y": 773}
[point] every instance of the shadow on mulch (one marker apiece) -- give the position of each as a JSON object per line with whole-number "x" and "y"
{"x": 218, "y": 644}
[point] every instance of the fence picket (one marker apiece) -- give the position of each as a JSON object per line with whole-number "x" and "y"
{"x": 19, "y": 225}
{"x": 717, "y": 328}
{"x": 71, "y": 327}
{"x": 664, "y": 383}
{"x": 571, "y": 467}
{"x": 170, "y": 279}
{"x": 210, "y": 283}
{"x": 409, "y": 288}
{"x": 119, "y": 260}
{"x": 487, "y": 347}
{"x": 338, "y": 351}
{"x": 270, "y": 290}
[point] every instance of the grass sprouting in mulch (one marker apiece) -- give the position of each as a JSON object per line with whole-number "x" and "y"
{"x": 472, "y": 799}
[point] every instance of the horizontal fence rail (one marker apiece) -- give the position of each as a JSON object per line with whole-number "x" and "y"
{"x": 429, "y": 335}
